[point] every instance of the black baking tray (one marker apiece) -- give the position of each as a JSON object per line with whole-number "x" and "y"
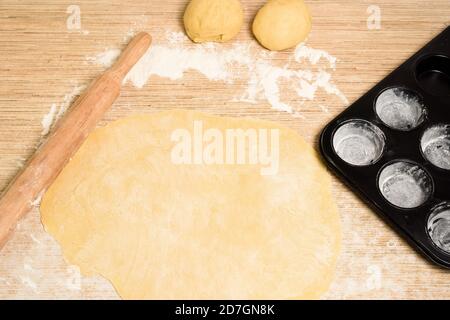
{"x": 428, "y": 74}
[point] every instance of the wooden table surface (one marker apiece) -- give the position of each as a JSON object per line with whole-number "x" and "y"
{"x": 43, "y": 61}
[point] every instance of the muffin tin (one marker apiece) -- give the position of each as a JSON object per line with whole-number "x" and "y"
{"x": 392, "y": 147}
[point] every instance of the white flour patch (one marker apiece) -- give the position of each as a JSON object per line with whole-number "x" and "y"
{"x": 48, "y": 119}
{"x": 73, "y": 281}
{"x": 37, "y": 254}
{"x": 139, "y": 24}
{"x": 265, "y": 80}
{"x": 324, "y": 109}
{"x": 174, "y": 62}
{"x": 35, "y": 240}
{"x": 68, "y": 99}
{"x": 28, "y": 267}
{"x": 176, "y": 37}
{"x": 374, "y": 280}
{"x": 58, "y": 110}
{"x": 106, "y": 58}
{"x": 313, "y": 55}
{"x": 37, "y": 202}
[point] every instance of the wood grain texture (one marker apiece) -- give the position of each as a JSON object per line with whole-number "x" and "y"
{"x": 63, "y": 142}
{"x": 42, "y": 62}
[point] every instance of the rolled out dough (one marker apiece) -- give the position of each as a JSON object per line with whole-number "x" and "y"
{"x": 159, "y": 230}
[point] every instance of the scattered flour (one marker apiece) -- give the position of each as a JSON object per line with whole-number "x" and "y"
{"x": 37, "y": 202}
{"x": 106, "y": 58}
{"x": 57, "y": 111}
{"x": 173, "y": 62}
{"x": 28, "y": 267}
{"x": 35, "y": 240}
{"x": 176, "y": 37}
{"x": 27, "y": 260}
{"x": 246, "y": 62}
{"x": 48, "y": 119}
{"x": 313, "y": 55}
{"x": 374, "y": 281}
{"x": 324, "y": 109}
{"x": 28, "y": 282}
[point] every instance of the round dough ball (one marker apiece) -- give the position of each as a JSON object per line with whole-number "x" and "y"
{"x": 213, "y": 20}
{"x": 282, "y": 24}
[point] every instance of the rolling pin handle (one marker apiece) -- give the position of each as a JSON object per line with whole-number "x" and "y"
{"x": 131, "y": 55}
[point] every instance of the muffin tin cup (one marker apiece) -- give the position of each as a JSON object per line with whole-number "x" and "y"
{"x": 400, "y": 108}
{"x": 433, "y": 74}
{"x": 438, "y": 226}
{"x": 435, "y": 146}
{"x": 405, "y": 185}
{"x": 392, "y": 147}
{"x": 359, "y": 142}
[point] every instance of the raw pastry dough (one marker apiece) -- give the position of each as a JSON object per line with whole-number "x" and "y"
{"x": 213, "y": 20}
{"x": 282, "y": 24}
{"x": 159, "y": 230}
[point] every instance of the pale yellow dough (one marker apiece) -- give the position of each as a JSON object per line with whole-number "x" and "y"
{"x": 282, "y": 24}
{"x": 213, "y": 20}
{"x": 158, "y": 230}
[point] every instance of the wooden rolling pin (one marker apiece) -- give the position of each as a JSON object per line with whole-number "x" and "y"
{"x": 70, "y": 132}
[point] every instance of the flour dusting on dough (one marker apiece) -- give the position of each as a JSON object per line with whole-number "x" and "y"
{"x": 188, "y": 247}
